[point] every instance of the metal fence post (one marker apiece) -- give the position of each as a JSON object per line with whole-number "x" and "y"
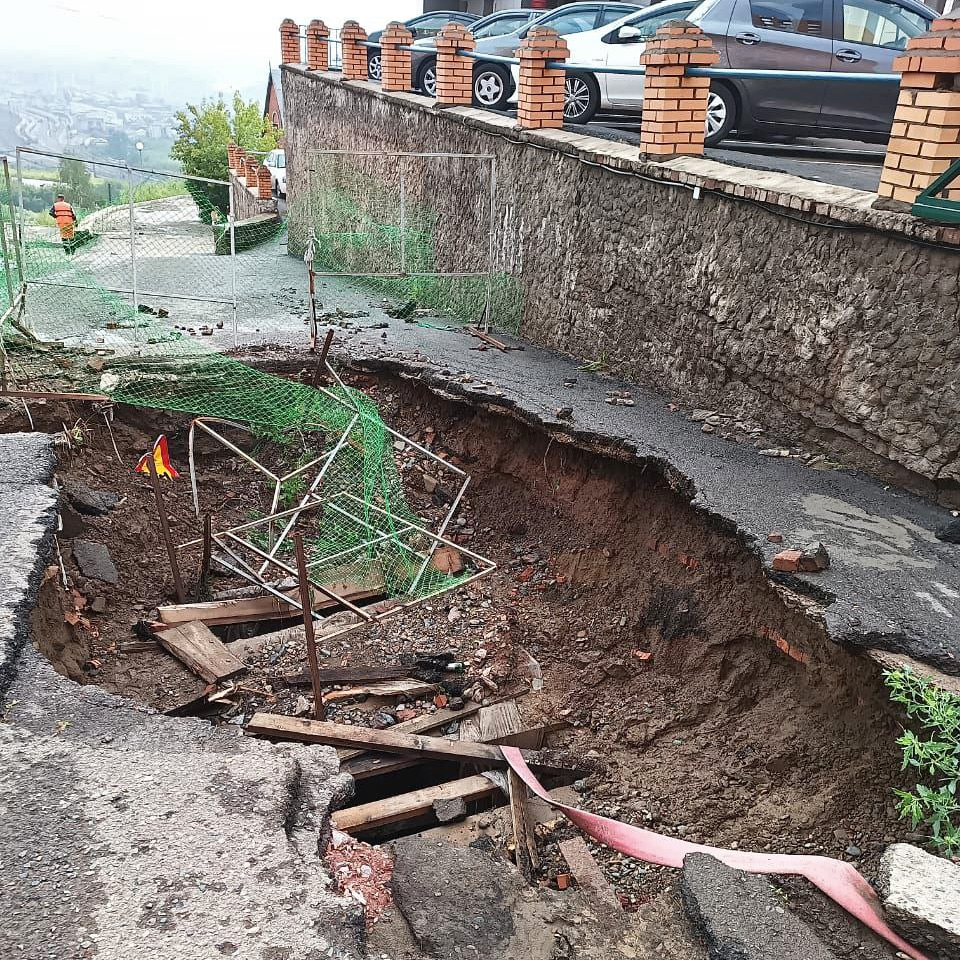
{"x": 403, "y": 223}
{"x": 488, "y": 305}
{"x": 4, "y": 250}
{"x": 17, "y": 233}
{"x": 231, "y": 221}
{"x": 133, "y": 246}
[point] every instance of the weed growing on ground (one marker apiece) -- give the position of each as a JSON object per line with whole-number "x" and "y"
{"x": 933, "y": 750}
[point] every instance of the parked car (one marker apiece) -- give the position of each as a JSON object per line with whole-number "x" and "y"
{"x": 423, "y": 26}
{"x": 424, "y": 58}
{"x": 825, "y": 36}
{"x": 493, "y": 82}
{"x": 276, "y": 162}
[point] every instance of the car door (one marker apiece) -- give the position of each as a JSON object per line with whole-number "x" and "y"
{"x": 868, "y": 36}
{"x": 782, "y": 35}
{"x": 623, "y": 48}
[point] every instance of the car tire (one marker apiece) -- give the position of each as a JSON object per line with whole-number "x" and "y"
{"x": 374, "y": 66}
{"x": 491, "y": 86}
{"x": 721, "y": 114}
{"x": 427, "y": 78}
{"x": 581, "y": 98}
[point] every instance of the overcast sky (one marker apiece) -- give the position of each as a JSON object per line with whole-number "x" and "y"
{"x": 230, "y": 42}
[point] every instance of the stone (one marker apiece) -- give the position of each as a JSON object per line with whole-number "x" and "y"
{"x": 741, "y": 917}
{"x": 774, "y": 537}
{"x": 93, "y": 561}
{"x": 564, "y": 413}
{"x": 447, "y": 811}
{"x": 429, "y": 483}
{"x": 456, "y": 703}
{"x": 920, "y": 894}
{"x": 787, "y": 561}
{"x": 949, "y": 532}
{"x": 302, "y": 706}
{"x": 93, "y": 503}
{"x": 814, "y": 558}
{"x": 71, "y": 523}
{"x": 382, "y": 719}
{"x": 99, "y": 605}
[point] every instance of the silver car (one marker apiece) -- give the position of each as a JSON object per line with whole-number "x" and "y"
{"x": 424, "y": 57}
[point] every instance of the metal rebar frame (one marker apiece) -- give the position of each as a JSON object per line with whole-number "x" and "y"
{"x": 240, "y": 555}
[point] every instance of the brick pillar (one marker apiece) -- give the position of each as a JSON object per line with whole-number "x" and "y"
{"x": 289, "y": 42}
{"x": 675, "y": 105}
{"x": 264, "y": 184}
{"x": 249, "y": 170}
{"x": 354, "y": 56}
{"x": 540, "y": 91}
{"x": 232, "y": 156}
{"x": 318, "y": 50}
{"x": 925, "y": 138}
{"x": 454, "y": 72}
{"x": 396, "y": 62}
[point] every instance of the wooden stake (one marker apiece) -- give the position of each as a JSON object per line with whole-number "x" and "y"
{"x": 306, "y": 601}
{"x": 165, "y": 530}
{"x": 313, "y": 310}
{"x": 524, "y": 838}
{"x": 322, "y": 360}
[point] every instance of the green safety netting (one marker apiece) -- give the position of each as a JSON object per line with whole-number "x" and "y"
{"x": 90, "y": 339}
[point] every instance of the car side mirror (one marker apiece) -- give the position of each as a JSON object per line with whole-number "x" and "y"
{"x": 628, "y": 34}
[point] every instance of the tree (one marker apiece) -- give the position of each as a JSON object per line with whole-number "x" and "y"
{"x": 204, "y": 130}
{"x": 76, "y": 182}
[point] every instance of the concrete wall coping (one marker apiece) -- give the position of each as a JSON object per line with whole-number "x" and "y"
{"x": 770, "y": 188}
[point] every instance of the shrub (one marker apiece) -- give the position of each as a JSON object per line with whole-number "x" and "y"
{"x": 932, "y": 749}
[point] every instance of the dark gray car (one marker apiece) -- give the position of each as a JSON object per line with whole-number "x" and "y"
{"x": 424, "y": 59}
{"x": 830, "y": 36}
{"x": 425, "y": 25}
{"x": 492, "y": 82}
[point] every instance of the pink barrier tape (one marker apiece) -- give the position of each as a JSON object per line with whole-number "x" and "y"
{"x": 838, "y": 880}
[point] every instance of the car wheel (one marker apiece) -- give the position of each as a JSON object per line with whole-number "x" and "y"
{"x": 428, "y": 78}
{"x": 581, "y": 98}
{"x": 491, "y": 86}
{"x": 721, "y": 114}
{"x": 375, "y": 66}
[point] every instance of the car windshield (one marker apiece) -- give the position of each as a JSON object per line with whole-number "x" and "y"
{"x": 501, "y": 26}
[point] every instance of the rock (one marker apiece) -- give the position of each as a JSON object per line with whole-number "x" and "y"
{"x": 699, "y": 415}
{"x": 302, "y": 706}
{"x": 949, "y": 532}
{"x": 814, "y": 558}
{"x": 71, "y": 523}
{"x": 383, "y": 719}
{"x": 429, "y": 483}
{"x": 446, "y": 811}
{"x": 93, "y": 560}
{"x": 99, "y": 605}
{"x": 94, "y": 503}
{"x": 920, "y": 893}
{"x": 741, "y": 917}
{"x": 564, "y": 413}
{"x": 453, "y": 615}
{"x": 853, "y": 850}
{"x": 456, "y": 703}
{"x": 774, "y": 537}
{"x": 447, "y": 560}
{"x": 707, "y": 428}
{"x": 787, "y": 561}
{"x": 774, "y": 452}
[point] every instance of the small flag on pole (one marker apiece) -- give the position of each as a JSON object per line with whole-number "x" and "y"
{"x": 161, "y": 460}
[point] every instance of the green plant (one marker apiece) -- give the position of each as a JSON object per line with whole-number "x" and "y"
{"x": 933, "y": 750}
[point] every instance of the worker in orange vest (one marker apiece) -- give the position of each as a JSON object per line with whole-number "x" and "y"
{"x": 62, "y": 212}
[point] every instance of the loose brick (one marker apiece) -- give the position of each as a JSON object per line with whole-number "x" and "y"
{"x": 787, "y": 561}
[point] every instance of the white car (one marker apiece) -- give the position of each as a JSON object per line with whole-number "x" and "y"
{"x": 618, "y": 44}
{"x": 276, "y": 162}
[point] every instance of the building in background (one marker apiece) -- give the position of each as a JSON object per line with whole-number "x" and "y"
{"x": 273, "y": 102}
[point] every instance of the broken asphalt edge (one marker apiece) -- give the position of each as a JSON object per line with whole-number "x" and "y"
{"x": 888, "y": 648}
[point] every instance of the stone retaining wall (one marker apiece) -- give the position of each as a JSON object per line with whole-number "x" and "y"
{"x": 245, "y": 202}
{"x": 757, "y": 293}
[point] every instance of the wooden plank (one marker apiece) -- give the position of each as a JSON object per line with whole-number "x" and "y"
{"x": 588, "y": 873}
{"x": 408, "y": 806}
{"x": 421, "y": 724}
{"x": 201, "y": 651}
{"x": 384, "y": 688}
{"x": 405, "y": 744}
{"x": 524, "y": 837}
{"x": 245, "y": 609}
{"x": 337, "y": 675}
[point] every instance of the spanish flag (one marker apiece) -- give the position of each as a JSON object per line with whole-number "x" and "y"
{"x": 161, "y": 460}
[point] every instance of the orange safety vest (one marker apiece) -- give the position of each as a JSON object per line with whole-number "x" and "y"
{"x": 62, "y": 213}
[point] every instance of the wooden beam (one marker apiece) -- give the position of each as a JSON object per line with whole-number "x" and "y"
{"x": 201, "y": 651}
{"x": 588, "y": 873}
{"x": 383, "y": 688}
{"x": 524, "y": 837}
{"x": 408, "y": 806}
{"x": 405, "y": 744}
{"x": 245, "y": 609}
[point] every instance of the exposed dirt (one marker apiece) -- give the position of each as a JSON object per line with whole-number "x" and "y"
{"x": 720, "y": 710}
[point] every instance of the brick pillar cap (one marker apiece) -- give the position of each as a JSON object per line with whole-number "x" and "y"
{"x": 353, "y": 30}
{"x": 396, "y": 31}
{"x": 288, "y": 25}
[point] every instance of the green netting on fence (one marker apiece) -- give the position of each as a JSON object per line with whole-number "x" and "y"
{"x": 91, "y": 339}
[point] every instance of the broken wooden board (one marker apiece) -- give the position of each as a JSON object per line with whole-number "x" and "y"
{"x": 195, "y": 645}
{"x": 524, "y": 837}
{"x": 328, "y": 676}
{"x": 246, "y": 609}
{"x": 588, "y": 874}
{"x": 408, "y": 806}
{"x": 383, "y": 688}
{"x": 405, "y": 744}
